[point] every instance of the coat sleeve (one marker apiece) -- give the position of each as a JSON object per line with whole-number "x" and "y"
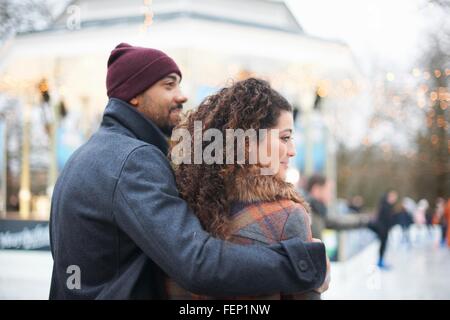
{"x": 298, "y": 224}
{"x": 148, "y": 208}
{"x": 347, "y": 222}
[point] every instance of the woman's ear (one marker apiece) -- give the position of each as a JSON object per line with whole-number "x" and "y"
{"x": 134, "y": 102}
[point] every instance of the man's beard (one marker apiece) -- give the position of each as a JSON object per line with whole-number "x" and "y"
{"x": 167, "y": 130}
{"x": 168, "y": 127}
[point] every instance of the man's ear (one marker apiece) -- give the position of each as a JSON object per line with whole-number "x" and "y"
{"x": 134, "y": 102}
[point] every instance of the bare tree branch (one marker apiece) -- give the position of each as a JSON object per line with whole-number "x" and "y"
{"x": 24, "y": 15}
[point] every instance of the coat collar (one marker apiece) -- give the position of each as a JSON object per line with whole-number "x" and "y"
{"x": 248, "y": 186}
{"x": 120, "y": 113}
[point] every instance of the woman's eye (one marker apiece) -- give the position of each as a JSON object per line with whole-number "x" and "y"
{"x": 286, "y": 139}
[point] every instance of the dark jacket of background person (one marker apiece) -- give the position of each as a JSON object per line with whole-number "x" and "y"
{"x": 404, "y": 218}
{"x": 117, "y": 217}
{"x": 263, "y": 211}
{"x": 322, "y": 220}
{"x": 385, "y": 218}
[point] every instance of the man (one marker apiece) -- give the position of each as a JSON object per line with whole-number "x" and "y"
{"x": 356, "y": 204}
{"x": 319, "y": 197}
{"x": 118, "y": 226}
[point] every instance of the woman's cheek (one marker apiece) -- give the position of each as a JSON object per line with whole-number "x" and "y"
{"x": 282, "y": 150}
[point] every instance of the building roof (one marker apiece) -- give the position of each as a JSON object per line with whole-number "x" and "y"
{"x": 265, "y": 14}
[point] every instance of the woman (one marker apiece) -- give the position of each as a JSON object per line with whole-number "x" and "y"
{"x": 241, "y": 202}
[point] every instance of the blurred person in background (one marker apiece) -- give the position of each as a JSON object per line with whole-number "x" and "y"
{"x": 420, "y": 220}
{"x": 356, "y": 204}
{"x": 447, "y": 220}
{"x": 383, "y": 223}
{"x": 319, "y": 192}
{"x": 419, "y": 215}
{"x": 429, "y": 217}
{"x": 405, "y": 218}
{"x": 440, "y": 219}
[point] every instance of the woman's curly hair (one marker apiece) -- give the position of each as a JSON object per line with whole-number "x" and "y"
{"x": 248, "y": 104}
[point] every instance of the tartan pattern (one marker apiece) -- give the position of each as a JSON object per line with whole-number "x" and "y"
{"x": 270, "y": 222}
{"x": 260, "y": 223}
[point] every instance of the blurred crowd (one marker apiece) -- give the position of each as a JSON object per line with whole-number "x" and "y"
{"x": 391, "y": 211}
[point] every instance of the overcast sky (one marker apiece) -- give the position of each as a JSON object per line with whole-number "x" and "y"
{"x": 385, "y": 30}
{"x": 384, "y": 35}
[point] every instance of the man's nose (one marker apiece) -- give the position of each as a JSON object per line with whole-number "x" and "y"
{"x": 181, "y": 98}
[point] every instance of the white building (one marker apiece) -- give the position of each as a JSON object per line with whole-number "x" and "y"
{"x": 213, "y": 42}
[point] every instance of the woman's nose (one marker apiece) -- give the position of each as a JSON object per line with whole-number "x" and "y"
{"x": 291, "y": 150}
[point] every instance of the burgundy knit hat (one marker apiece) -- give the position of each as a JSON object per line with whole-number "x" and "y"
{"x": 132, "y": 70}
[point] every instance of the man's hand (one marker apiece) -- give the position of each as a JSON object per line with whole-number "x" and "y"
{"x": 326, "y": 283}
